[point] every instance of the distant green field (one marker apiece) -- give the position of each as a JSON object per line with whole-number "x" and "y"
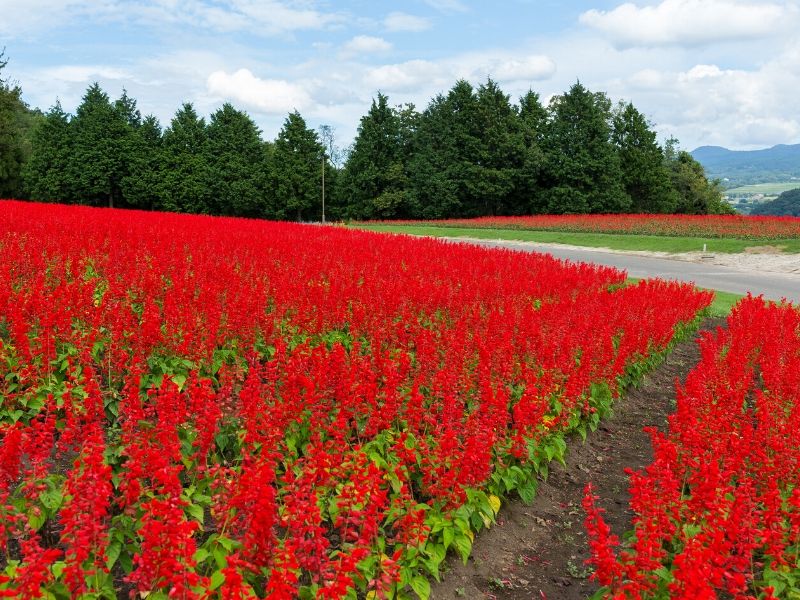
{"x": 658, "y": 243}
{"x": 768, "y": 189}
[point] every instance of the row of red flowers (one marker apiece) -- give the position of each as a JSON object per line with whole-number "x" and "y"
{"x": 710, "y": 226}
{"x": 203, "y": 407}
{"x": 717, "y": 513}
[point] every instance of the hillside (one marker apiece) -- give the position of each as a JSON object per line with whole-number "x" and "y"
{"x": 743, "y": 167}
{"x": 787, "y": 204}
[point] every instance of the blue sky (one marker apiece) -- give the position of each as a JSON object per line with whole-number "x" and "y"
{"x": 722, "y": 72}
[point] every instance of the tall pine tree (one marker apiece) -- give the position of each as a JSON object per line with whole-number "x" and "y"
{"x": 184, "y": 187}
{"x": 373, "y": 182}
{"x": 644, "y": 173}
{"x": 529, "y": 184}
{"x": 582, "y": 165}
{"x": 102, "y": 142}
{"x": 235, "y": 161}
{"x": 296, "y": 171}
{"x": 48, "y": 173}
{"x": 141, "y": 188}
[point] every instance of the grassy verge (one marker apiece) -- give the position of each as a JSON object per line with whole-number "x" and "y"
{"x": 652, "y": 243}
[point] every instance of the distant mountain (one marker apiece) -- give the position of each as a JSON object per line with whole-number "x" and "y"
{"x": 743, "y": 167}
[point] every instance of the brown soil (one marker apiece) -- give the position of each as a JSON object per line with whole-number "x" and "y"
{"x": 538, "y": 551}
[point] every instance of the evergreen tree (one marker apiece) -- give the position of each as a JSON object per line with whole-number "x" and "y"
{"x": 141, "y": 188}
{"x": 16, "y": 127}
{"x": 500, "y": 152}
{"x": 235, "y": 161}
{"x": 644, "y": 173}
{"x": 373, "y": 181}
{"x": 296, "y": 171}
{"x": 582, "y": 166}
{"x": 48, "y": 173}
{"x": 102, "y": 143}
{"x": 443, "y": 171}
{"x": 184, "y": 187}
{"x": 533, "y": 124}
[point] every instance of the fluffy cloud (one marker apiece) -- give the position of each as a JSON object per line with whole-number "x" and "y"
{"x": 707, "y": 104}
{"x": 407, "y": 76}
{"x": 365, "y": 44}
{"x": 415, "y": 75}
{"x": 400, "y": 21}
{"x": 690, "y": 22}
{"x": 274, "y": 96}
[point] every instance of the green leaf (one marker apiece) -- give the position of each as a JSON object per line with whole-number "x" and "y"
{"x": 217, "y": 579}
{"x": 464, "y": 546}
{"x": 448, "y": 534}
{"x": 112, "y": 554}
{"x": 196, "y": 511}
{"x": 422, "y": 587}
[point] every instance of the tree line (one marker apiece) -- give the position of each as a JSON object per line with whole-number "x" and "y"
{"x": 471, "y": 152}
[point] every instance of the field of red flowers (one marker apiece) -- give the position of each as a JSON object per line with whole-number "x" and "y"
{"x": 197, "y": 407}
{"x": 717, "y": 513}
{"x": 708, "y": 226}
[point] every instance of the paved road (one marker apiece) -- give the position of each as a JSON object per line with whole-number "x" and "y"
{"x": 774, "y": 286}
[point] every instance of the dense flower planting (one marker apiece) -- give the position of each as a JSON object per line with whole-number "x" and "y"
{"x": 709, "y": 226}
{"x": 717, "y": 513}
{"x": 197, "y": 407}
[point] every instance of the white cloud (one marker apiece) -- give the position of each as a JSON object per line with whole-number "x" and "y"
{"x": 260, "y": 17}
{"x": 365, "y": 44}
{"x": 526, "y": 68}
{"x": 707, "y": 104}
{"x": 407, "y": 76}
{"x": 275, "y": 96}
{"x": 400, "y": 21}
{"x": 690, "y": 22}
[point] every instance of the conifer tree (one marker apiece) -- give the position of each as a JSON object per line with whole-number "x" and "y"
{"x": 644, "y": 173}
{"x": 48, "y": 172}
{"x": 184, "y": 187}
{"x": 582, "y": 165}
{"x": 296, "y": 173}
{"x": 235, "y": 163}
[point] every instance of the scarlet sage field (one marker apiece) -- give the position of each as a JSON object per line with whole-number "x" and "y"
{"x": 717, "y": 514}
{"x": 709, "y": 226}
{"x": 197, "y": 407}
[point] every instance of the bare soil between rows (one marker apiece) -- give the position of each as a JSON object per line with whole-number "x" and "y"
{"x": 538, "y": 551}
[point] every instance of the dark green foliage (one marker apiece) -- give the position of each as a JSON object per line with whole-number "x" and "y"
{"x": 296, "y": 171}
{"x": 500, "y": 153}
{"x": 374, "y": 182}
{"x": 533, "y": 123}
{"x": 17, "y": 123}
{"x": 469, "y": 147}
{"x": 102, "y": 141}
{"x": 236, "y": 165}
{"x": 186, "y": 172}
{"x": 644, "y": 173}
{"x": 141, "y": 188}
{"x": 787, "y": 204}
{"x": 582, "y": 168}
{"x": 48, "y": 172}
{"x": 470, "y": 153}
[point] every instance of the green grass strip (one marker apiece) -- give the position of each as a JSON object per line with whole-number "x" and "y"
{"x": 653, "y": 243}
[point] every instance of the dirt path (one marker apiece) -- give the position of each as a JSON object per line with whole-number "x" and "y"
{"x": 538, "y": 550}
